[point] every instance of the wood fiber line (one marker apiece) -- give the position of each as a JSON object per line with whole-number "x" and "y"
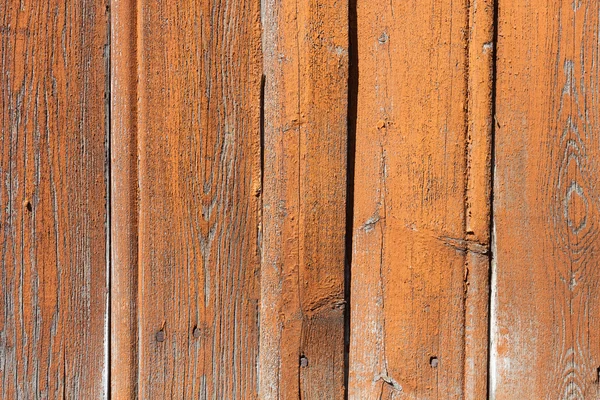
{"x": 198, "y": 127}
{"x": 53, "y": 201}
{"x": 305, "y": 44}
{"x": 420, "y": 262}
{"x": 124, "y": 211}
{"x": 546, "y": 308}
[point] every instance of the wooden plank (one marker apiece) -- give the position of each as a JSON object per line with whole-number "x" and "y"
{"x": 124, "y": 191}
{"x": 419, "y": 284}
{"x": 478, "y": 195}
{"x": 305, "y": 46}
{"x": 198, "y": 129}
{"x": 53, "y": 325}
{"x": 546, "y": 309}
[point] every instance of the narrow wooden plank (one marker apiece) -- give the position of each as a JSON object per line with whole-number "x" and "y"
{"x": 546, "y": 308}
{"x": 305, "y": 46}
{"x": 53, "y": 324}
{"x": 198, "y": 127}
{"x": 421, "y": 206}
{"x": 478, "y": 195}
{"x": 124, "y": 212}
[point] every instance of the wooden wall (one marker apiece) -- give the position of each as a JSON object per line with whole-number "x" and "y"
{"x": 308, "y": 199}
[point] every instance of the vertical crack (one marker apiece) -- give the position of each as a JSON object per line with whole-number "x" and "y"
{"x": 108, "y": 180}
{"x": 351, "y": 161}
{"x": 492, "y": 236}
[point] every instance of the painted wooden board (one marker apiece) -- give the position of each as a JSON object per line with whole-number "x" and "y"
{"x": 546, "y": 307}
{"x": 124, "y": 201}
{"x": 305, "y": 44}
{"x": 199, "y": 182}
{"x": 53, "y": 199}
{"x": 419, "y": 280}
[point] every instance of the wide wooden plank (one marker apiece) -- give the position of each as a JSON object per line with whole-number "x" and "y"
{"x": 419, "y": 281}
{"x": 198, "y": 131}
{"x": 305, "y": 47}
{"x": 53, "y": 281}
{"x": 546, "y": 307}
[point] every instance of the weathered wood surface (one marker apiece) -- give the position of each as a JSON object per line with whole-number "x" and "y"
{"x": 421, "y": 206}
{"x": 53, "y": 217}
{"x": 305, "y": 47}
{"x": 199, "y": 180}
{"x": 546, "y": 308}
{"x": 480, "y": 81}
{"x": 227, "y": 270}
{"x": 124, "y": 202}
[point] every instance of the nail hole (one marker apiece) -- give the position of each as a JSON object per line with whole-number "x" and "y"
{"x": 196, "y": 332}
{"x": 160, "y": 336}
{"x": 433, "y": 361}
{"x": 303, "y": 361}
{"x": 383, "y": 38}
{"x": 27, "y": 205}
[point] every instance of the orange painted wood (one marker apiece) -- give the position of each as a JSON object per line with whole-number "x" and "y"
{"x": 124, "y": 193}
{"x": 53, "y": 203}
{"x": 199, "y": 180}
{"x": 421, "y": 205}
{"x": 545, "y": 336}
{"x": 305, "y": 46}
{"x": 480, "y": 81}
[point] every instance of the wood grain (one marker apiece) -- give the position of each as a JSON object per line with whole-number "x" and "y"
{"x": 305, "y": 45}
{"x": 198, "y": 131}
{"x": 480, "y": 81}
{"x": 53, "y": 325}
{"x": 545, "y": 337}
{"x": 421, "y": 200}
{"x": 123, "y": 199}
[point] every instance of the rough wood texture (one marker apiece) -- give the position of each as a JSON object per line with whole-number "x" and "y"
{"x": 478, "y": 195}
{"x": 305, "y": 46}
{"x": 124, "y": 212}
{"x": 546, "y": 309}
{"x": 53, "y": 199}
{"x": 421, "y": 213}
{"x": 198, "y": 126}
